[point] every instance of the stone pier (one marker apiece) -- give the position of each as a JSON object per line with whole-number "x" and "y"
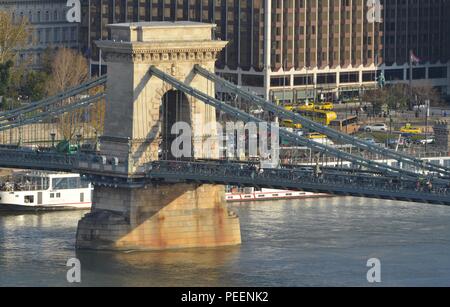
{"x": 139, "y": 111}
{"x": 160, "y": 217}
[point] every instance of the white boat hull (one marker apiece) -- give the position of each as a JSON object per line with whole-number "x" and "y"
{"x": 268, "y": 194}
{"x": 10, "y": 207}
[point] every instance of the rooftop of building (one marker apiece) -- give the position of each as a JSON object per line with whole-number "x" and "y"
{"x": 162, "y": 24}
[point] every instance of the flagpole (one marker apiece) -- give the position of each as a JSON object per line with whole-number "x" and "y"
{"x": 410, "y": 78}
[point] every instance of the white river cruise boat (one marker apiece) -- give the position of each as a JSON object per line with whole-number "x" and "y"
{"x": 32, "y": 190}
{"x": 251, "y": 194}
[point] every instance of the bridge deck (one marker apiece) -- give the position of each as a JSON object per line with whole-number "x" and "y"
{"x": 350, "y": 182}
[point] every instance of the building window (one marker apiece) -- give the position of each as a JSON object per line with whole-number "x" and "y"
{"x": 437, "y": 73}
{"x": 73, "y": 34}
{"x": 418, "y": 73}
{"x": 349, "y": 77}
{"x": 253, "y": 80}
{"x": 56, "y": 35}
{"x": 326, "y": 78}
{"x": 280, "y": 81}
{"x": 303, "y": 80}
{"x": 393, "y": 74}
{"x": 369, "y": 76}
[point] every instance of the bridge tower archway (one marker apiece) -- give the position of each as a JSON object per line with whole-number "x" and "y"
{"x": 175, "y": 108}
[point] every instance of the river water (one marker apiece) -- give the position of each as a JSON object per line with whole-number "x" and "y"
{"x": 314, "y": 242}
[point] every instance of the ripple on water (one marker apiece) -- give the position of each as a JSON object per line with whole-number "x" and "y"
{"x": 313, "y": 242}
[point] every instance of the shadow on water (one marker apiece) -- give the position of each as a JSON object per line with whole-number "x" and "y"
{"x": 187, "y": 267}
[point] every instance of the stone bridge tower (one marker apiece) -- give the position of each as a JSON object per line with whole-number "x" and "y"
{"x": 140, "y": 112}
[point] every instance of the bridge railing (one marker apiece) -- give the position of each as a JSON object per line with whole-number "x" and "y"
{"x": 349, "y": 180}
{"x": 27, "y": 158}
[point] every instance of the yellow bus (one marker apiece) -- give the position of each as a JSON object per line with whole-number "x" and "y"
{"x": 308, "y": 107}
{"x": 326, "y": 106}
{"x": 287, "y": 123}
{"x": 349, "y": 125}
{"x": 319, "y": 116}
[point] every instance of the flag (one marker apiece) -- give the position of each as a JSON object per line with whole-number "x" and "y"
{"x": 414, "y": 58}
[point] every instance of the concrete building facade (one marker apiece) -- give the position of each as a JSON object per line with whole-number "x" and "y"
{"x": 49, "y": 26}
{"x": 294, "y": 49}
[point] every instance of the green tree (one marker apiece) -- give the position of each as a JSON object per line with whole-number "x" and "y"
{"x": 5, "y": 76}
{"x": 34, "y": 85}
{"x": 396, "y": 97}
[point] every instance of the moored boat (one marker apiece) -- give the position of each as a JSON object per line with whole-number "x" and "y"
{"x": 34, "y": 191}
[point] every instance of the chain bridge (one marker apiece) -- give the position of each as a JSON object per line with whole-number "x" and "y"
{"x": 161, "y": 73}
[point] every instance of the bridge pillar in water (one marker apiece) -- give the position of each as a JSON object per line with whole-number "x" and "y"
{"x": 140, "y": 112}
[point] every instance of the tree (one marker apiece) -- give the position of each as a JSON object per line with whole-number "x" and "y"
{"x": 427, "y": 92}
{"x": 70, "y": 124}
{"x": 13, "y": 36}
{"x": 97, "y": 111}
{"x": 395, "y": 97}
{"x": 5, "y": 76}
{"x": 33, "y": 85}
{"x": 69, "y": 68}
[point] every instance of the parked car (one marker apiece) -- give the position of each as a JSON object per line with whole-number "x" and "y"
{"x": 370, "y": 140}
{"x": 375, "y": 128}
{"x": 428, "y": 140}
{"x": 402, "y": 142}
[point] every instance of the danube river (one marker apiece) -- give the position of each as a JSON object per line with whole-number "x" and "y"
{"x": 314, "y": 242}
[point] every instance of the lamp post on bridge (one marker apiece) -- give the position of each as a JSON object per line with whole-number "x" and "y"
{"x": 53, "y": 136}
{"x": 78, "y": 142}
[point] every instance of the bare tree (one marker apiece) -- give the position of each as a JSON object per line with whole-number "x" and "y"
{"x": 97, "y": 111}
{"x": 427, "y": 92}
{"x": 70, "y": 124}
{"x": 12, "y": 35}
{"x": 69, "y": 68}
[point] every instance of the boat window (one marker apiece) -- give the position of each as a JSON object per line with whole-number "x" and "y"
{"x": 29, "y": 199}
{"x": 31, "y": 182}
{"x": 52, "y": 195}
{"x": 58, "y": 195}
{"x": 69, "y": 183}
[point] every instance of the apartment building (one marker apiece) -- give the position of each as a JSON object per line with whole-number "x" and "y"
{"x": 49, "y": 25}
{"x": 295, "y": 49}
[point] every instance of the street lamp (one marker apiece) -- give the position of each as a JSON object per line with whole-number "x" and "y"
{"x": 307, "y": 84}
{"x": 53, "y": 136}
{"x": 78, "y": 141}
{"x": 96, "y": 147}
{"x": 427, "y": 104}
